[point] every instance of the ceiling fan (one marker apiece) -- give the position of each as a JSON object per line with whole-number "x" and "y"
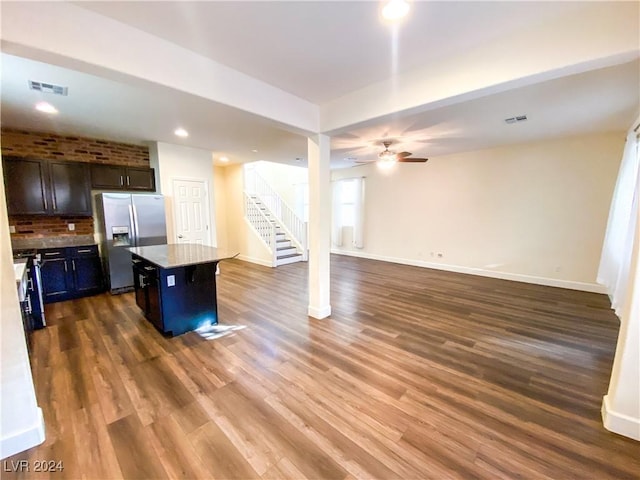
{"x": 388, "y": 156}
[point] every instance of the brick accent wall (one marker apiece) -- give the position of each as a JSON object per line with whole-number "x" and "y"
{"x": 33, "y": 226}
{"x": 23, "y": 143}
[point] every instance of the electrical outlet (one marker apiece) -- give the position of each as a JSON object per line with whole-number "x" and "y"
{"x": 171, "y": 280}
{"x": 71, "y": 226}
{"x": 12, "y": 229}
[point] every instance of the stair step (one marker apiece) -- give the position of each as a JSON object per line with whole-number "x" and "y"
{"x": 286, "y": 252}
{"x": 288, "y": 259}
{"x": 291, "y": 255}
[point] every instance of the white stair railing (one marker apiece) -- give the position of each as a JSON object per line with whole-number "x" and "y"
{"x": 265, "y": 228}
{"x": 291, "y": 223}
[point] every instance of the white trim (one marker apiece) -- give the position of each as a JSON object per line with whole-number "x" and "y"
{"x": 516, "y": 277}
{"x": 319, "y": 312}
{"x": 259, "y": 261}
{"x": 618, "y": 422}
{"x": 24, "y": 440}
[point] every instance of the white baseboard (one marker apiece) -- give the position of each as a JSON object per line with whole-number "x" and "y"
{"x": 24, "y": 440}
{"x": 258, "y": 261}
{"x": 517, "y": 277}
{"x": 618, "y": 422}
{"x": 319, "y": 312}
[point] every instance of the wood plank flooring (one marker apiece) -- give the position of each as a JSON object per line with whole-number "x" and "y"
{"x": 418, "y": 374}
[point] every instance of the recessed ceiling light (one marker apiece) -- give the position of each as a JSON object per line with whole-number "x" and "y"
{"x": 46, "y": 107}
{"x": 181, "y": 132}
{"x": 224, "y": 159}
{"x": 395, "y": 10}
{"x": 254, "y": 150}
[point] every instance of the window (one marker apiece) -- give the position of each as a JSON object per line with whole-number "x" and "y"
{"x": 347, "y": 202}
{"x": 348, "y": 210}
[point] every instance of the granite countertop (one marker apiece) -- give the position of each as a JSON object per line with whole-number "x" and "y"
{"x": 20, "y": 270}
{"x": 180, "y": 254}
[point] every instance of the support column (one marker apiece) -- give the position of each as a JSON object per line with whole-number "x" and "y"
{"x": 319, "y": 225}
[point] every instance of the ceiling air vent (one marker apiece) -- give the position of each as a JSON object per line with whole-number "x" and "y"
{"x": 519, "y": 118}
{"x": 48, "y": 88}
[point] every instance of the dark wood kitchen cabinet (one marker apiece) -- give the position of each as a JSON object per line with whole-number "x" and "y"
{"x": 70, "y": 188}
{"x": 56, "y": 281}
{"x": 46, "y": 187}
{"x": 24, "y": 183}
{"x": 70, "y": 272}
{"x": 117, "y": 177}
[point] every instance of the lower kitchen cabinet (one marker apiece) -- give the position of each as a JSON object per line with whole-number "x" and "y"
{"x": 70, "y": 272}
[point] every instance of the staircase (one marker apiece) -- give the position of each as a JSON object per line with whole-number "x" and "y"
{"x": 286, "y": 252}
{"x": 282, "y": 231}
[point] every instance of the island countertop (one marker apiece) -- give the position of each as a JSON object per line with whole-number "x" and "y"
{"x": 180, "y": 254}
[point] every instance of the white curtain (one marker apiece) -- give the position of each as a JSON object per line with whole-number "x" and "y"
{"x": 623, "y": 217}
{"x": 358, "y": 214}
{"x": 336, "y": 215}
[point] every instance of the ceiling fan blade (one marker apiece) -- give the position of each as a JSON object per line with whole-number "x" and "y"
{"x": 403, "y": 154}
{"x": 412, "y": 159}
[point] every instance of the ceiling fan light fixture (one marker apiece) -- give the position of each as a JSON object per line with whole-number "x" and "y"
{"x": 395, "y": 10}
{"x": 386, "y": 163}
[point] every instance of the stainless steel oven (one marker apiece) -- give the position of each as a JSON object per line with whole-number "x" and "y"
{"x": 33, "y": 305}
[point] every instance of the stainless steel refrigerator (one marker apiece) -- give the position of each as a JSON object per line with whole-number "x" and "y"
{"x": 127, "y": 220}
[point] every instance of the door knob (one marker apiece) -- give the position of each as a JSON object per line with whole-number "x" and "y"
{"x": 180, "y": 236}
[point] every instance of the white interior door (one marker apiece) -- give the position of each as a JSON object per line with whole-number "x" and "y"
{"x": 191, "y": 212}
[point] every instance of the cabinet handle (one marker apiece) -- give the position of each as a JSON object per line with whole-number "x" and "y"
{"x": 121, "y": 181}
{"x": 52, "y": 253}
{"x": 30, "y": 283}
{"x": 136, "y": 261}
{"x": 73, "y": 264}
{"x": 128, "y": 181}
{"x": 45, "y": 203}
{"x": 150, "y": 269}
{"x": 53, "y": 200}
{"x": 65, "y": 266}
{"x": 84, "y": 250}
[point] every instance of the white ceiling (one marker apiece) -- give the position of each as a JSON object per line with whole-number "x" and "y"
{"x": 320, "y": 51}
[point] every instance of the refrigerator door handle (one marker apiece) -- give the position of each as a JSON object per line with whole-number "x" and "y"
{"x": 134, "y": 219}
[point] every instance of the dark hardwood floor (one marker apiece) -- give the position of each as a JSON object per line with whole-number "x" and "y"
{"x": 418, "y": 374}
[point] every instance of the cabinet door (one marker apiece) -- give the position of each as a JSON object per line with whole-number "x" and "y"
{"x": 140, "y": 286}
{"x": 87, "y": 273}
{"x": 154, "y": 305}
{"x": 56, "y": 283}
{"x": 140, "y": 179}
{"x": 107, "y": 176}
{"x": 70, "y": 188}
{"x": 25, "y": 186}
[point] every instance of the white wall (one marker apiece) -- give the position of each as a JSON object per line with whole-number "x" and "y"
{"x": 534, "y": 212}
{"x": 282, "y": 179}
{"x": 239, "y": 234}
{"x": 221, "y": 213}
{"x": 21, "y": 422}
{"x": 183, "y": 163}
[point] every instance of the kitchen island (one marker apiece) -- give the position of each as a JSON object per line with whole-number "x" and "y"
{"x": 175, "y": 285}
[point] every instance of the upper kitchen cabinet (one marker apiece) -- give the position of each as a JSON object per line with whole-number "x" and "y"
{"x": 46, "y": 187}
{"x": 70, "y": 188}
{"x": 24, "y": 184}
{"x": 116, "y": 177}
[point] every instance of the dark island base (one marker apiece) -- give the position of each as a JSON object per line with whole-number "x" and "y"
{"x": 176, "y": 300}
